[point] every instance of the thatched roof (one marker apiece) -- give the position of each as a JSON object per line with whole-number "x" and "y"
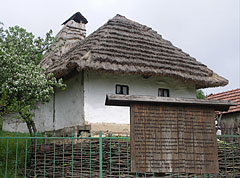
{"x": 125, "y": 46}
{"x": 72, "y": 32}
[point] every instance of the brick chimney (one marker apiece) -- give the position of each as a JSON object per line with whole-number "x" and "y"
{"x": 72, "y": 32}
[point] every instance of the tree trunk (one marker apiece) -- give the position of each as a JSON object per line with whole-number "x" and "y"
{"x": 30, "y": 123}
{"x": 31, "y": 129}
{"x": 34, "y": 127}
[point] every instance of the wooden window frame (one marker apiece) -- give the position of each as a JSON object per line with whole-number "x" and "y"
{"x": 161, "y": 92}
{"x": 121, "y": 90}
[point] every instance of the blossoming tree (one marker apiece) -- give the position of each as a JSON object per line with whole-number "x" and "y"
{"x": 23, "y": 85}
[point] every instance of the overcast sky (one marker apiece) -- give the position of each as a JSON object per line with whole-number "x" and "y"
{"x": 206, "y": 29}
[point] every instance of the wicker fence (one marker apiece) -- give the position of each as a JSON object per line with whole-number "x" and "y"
{"x": 107, "y": 156}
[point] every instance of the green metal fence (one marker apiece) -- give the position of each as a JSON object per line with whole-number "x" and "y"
{"x": 101, "y": 156}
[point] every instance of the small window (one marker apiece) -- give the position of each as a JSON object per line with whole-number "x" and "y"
{"x": 163, "y": 92}
{"x": 122, "y": 89}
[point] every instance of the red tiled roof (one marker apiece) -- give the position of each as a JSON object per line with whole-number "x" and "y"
{"x": 232, "y": 95}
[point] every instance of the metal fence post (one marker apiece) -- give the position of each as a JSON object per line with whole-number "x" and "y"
{"x": 100, "y": 154}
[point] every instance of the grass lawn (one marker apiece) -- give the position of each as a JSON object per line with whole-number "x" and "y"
{"x": 1, "y": 122}
{"x": 13, "y": 154}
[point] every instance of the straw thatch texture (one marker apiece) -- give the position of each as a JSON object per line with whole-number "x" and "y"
{"x": 71, "y": 33}
{"x": 124, "y": 46}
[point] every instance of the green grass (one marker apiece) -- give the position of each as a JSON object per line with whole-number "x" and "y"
{"x": 13, "y": 157}
{"x": 15, "y": 154}
{"x": 1, "y": 123}
{"x": 13, "y": 134}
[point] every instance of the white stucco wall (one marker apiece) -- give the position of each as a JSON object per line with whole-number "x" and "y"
{"x": 42, "y": 119}
{"x": 63, "y": 110}
{"x": 83, "y": 102}
{"x": 97, "y": 85}
{"x": 69, "y": 104}
{"x": 10, "y": 123}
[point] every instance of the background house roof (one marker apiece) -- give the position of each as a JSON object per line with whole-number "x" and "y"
{"x": 232, "y": 95}
{"x": 125, "y": 46}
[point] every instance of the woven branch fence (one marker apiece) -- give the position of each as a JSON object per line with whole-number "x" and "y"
{"x": 92, "y": 157}
{"x": 82, "y": 160}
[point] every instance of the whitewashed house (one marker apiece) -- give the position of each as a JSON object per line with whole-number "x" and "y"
{"x": 121, "y": 57}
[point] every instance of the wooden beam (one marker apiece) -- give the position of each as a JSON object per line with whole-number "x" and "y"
{"x": 127, "y": 100}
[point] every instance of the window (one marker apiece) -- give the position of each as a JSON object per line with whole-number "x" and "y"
{"x": 163, "y": 92}
{"x": 122, "y": 89}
